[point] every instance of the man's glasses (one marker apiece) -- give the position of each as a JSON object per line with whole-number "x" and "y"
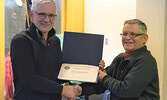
{"x": 132, "y": 35}
{"x": 44, "y": 15}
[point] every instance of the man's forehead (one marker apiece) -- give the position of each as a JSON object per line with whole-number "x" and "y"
{"x": 46, "y": 8}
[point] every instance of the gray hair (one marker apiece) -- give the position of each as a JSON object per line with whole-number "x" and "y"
{"x": 142, "y": 25}
{"x": 35, "y": 3}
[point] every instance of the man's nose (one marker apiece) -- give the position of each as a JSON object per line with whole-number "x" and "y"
{"x": 128, "y": 36}
{"x": 47, "y": 18}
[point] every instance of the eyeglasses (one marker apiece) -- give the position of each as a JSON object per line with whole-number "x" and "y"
{"x": 132, "y": 35}
{"x": 44, "y": 15}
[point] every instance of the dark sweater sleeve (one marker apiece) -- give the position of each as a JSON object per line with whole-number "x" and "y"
{"x": 25, "y": 74}
{"x": 135, "y": 81}
{"x": 92, "y": 88}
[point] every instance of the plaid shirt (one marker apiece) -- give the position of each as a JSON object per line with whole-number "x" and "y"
{"x": 8, "y": 78}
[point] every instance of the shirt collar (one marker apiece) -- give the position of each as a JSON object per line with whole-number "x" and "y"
{"x": 34, "y": 30}
{"x": 136, "y": 52}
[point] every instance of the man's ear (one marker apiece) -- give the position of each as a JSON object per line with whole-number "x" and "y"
{"x": 31, "y": 15}
{"x": 145, "y": 39}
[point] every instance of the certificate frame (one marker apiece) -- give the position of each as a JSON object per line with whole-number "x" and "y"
{"x": 81, "y": 49}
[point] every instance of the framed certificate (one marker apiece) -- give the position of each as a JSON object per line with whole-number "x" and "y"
{"x": 81, "y": 55}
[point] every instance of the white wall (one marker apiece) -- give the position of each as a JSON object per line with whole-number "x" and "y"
{"x": 152, "y": 12}
{"x": 165, "y": 57}
{"x": 107, "y": 17}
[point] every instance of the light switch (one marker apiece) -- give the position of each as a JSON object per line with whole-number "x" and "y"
{"x": 106, "y": 41}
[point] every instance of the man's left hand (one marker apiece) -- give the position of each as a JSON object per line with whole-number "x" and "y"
{"x": 101, "y": 74}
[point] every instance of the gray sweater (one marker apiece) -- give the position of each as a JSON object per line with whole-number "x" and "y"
{"x": 135, "y": 78}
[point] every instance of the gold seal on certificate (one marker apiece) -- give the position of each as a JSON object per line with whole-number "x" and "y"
{"x": 79, "y": 72}
{"x": 66, "y": 67}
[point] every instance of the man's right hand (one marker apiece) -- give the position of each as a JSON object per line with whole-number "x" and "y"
{"x": 71, "y": 92}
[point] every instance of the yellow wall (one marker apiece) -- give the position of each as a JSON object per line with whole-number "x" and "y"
{"x": 72, "y": 15}
{"x": 2, "y": 48}
{"x": 62, "y": 16}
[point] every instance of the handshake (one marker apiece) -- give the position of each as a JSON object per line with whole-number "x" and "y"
{"x": 71, "y": 92}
